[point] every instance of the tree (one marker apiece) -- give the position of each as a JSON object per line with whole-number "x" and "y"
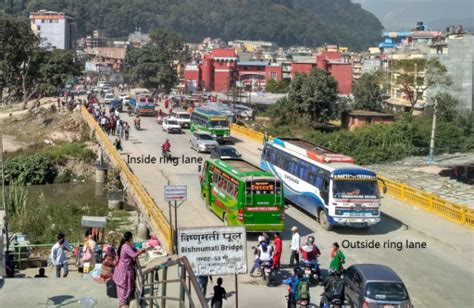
{"x": 314, "y": 95}
{"x": 17, "y": 43}
{"x": 149, "y": 67}
{"x": 367, "y": 92}
{"x": 277, "y": 86}
{"x": 415, "y": 76}
{"x": 171, "y": 44}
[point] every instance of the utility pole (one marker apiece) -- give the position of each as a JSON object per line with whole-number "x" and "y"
{"x": 433, "y": 132}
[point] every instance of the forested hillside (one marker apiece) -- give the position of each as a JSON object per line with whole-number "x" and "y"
{"x": 286, "y": 22}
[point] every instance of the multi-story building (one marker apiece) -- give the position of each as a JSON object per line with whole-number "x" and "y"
{"x": 97, "y": 39}
{"x": 55, "y": 29}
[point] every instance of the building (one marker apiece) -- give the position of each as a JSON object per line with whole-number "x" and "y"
{"x": 111, "y": 56}
{"x": 55, "y": 29}
{"x": 302, "y": 64}
{"x": 359, "y": 118}
{"x": 138, "y": 39}
{"x": 334, "y": 63}
{"x": 252, "y": 74}
{"x": 97, "y": 39}
{"x": 457, "y": 57}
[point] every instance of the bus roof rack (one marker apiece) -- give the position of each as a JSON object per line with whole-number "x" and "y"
{"x": 316, "y": 152}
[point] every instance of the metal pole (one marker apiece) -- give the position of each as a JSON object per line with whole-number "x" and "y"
{"x": 163, "y": 288}
{"x": 236, "y": 292}
{"x": 175, "y": 227}
{"x": 433, "y": 133}
{"x": 171, "y": 222}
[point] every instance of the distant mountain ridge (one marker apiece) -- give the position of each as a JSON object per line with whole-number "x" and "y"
{"x": 285, "y": 22}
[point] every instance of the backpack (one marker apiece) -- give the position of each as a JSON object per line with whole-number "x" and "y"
{"x": 337, "y": 289}
{"x": 303, "y": 289}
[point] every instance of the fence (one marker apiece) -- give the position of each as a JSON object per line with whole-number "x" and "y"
{"x": 428, "y": 201}
{"x": 154, "y": 214}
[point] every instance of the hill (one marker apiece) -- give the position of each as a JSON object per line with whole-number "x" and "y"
{"x": 286, "y": 22}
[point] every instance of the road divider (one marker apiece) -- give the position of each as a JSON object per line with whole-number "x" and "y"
{"x": 155, "y": 215}
{"x": 430, "y": 202}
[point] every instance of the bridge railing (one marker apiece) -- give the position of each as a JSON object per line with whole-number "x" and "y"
{"x": 430, "y": 202}
{"x": 155, "y": 214}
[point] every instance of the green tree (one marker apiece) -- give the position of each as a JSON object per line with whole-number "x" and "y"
{"x": 314, "y": 95}
{"x": 277, "y": 86}
{"x": 415, "y": 76}
{"x": 17, "y": 43}
{"x": 149, "y": 67}
{"x": 367, "y": 92}
{"x": 171, "y": 44}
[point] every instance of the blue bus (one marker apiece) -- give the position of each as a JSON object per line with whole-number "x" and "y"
{"x": 323, "y": 183}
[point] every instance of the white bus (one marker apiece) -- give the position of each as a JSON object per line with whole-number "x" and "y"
{"x": 323, "y": 183}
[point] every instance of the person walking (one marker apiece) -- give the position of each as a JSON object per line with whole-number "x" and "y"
{"x": 124, "y": 274}
{"x": 59, "y": 255}
{"x": 203, "y": 280}
{"x": 338, "y": 259}
{"x": 295, "y": 246}
{"x": 219, "y": 294}
{"x": 278, "y": 250}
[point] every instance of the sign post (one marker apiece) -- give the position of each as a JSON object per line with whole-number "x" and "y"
{"x": 215, "y": 251}
{"x": 175, "y": 193}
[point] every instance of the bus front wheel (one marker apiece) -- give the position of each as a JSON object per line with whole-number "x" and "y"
{"x": 323, "y": 221}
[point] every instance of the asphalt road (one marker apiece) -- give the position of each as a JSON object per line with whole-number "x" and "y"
{"x": 439, "y": 275}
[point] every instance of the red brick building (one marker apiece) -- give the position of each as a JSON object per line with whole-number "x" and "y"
{"x": 333, "y": 63}
{"x": 274, "y": 71}
{"x": 301, "y": 68}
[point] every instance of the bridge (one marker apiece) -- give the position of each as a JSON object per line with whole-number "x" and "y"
{"x": 434, "y": 259}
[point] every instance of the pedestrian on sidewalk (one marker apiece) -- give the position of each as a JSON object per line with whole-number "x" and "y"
{"x": 219, "y": 294}
{"x": 203, "y": 280}
{"x": 59, "y": 255}
{"x": 124, "y": 274}
{"x": 278, "y": 251}
{"x": 294, "y": 246}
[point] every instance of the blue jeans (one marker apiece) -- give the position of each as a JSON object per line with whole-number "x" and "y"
{"x": 64, "y": 266}
{"x": 259, "y": 263}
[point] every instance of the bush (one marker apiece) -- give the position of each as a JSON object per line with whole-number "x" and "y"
{"x": 32, "y": 169}
{"x": 61, "y": 152}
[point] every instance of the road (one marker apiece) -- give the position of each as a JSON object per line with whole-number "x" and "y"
{"x": 440, "y": 275}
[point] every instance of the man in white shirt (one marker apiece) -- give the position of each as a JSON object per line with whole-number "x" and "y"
{"x": 59, "y": 255}
{"x": 295, "y": 246}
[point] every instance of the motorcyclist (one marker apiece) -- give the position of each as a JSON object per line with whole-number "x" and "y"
{"x": 310, "y": 253}
{"x": 166, "y": 147}
{"x": 137, "y": 121}
{"x": 333, "y": 289}
{"x": 294, "y": 283}
{"x": 264, "y": 254}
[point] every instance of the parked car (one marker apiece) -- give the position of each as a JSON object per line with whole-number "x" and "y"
{"x": 225, "y": 152}
{"x": 108, "y": 98}
{"x": 202, "y": 142}
{"x": 375, "y": 285}
{"x": 183, "y": 118}
{"x": 171, "y": 126}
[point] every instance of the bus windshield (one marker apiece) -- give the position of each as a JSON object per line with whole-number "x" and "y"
{"x": 216, "y": 123}
{"x": 355, "y": 189}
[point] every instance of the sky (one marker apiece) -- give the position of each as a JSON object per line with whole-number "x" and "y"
{"x": 403, "y": 14}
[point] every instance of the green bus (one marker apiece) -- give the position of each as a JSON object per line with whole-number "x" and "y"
{"x": 211, "y": 121}
{"x": 243, "y": 195}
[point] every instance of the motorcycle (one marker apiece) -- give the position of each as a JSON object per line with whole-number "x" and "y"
{"x": 334, "y": 303}
{"x": 137, "y": 125}
{"x": 159, "y": 120}
{"x": 267, "y": 272}
{"x": 166, "y": 154}
{"x": 312, "y": 272}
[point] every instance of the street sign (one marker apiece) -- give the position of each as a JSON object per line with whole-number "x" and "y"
{"x": 214, "y": 250}
{"x": 176, "y": 192}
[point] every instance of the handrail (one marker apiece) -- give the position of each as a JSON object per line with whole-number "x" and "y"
{"x": 157, "y": 218}
{"x": 147, "y": 297}
{"x": 430, "y": 202}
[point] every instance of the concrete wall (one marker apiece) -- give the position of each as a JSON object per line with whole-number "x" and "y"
{"x": 54, "y": 34}
{"x": 460, "y": 65}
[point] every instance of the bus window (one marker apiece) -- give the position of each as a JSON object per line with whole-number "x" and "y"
{"x": 303, "y": 171}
